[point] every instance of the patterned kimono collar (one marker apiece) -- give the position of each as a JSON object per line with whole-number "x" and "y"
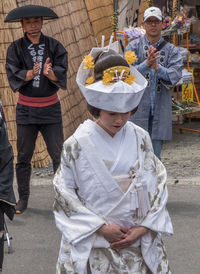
{"x": 110, "y": 146}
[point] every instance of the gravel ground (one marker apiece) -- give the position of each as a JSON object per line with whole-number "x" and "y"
{"x": 45, "y": 172}
{"x": 181, "y": 156}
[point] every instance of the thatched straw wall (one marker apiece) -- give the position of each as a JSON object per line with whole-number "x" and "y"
{"x": 79, "y": 27}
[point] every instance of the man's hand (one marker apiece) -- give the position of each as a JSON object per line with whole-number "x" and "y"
{"x": 155, "y": 66}
{"x": 112, "y": 233}
{"x": 33, "y": 72}
{"x": 133, "y": 234}
{"x": 36, "y": 68}
{"x": 152, "y": 57}
{"x": 48, "y": 72}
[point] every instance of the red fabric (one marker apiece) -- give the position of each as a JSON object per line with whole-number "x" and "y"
{"x": 38, "y": 101}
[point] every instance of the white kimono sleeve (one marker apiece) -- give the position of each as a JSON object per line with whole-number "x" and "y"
{"x": 157, "y": 219}
{"x": 73, "y": 219}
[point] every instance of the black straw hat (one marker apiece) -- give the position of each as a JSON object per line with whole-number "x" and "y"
{"x": 28, "y": 11}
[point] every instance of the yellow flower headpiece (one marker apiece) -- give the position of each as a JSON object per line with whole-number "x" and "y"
{"x": 88, "y": 61}
{"x": 89, "y": 80}
{"x": 114, "y": 74}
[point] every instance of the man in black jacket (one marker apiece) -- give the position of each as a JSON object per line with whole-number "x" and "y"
{"x": 36, "y": 67}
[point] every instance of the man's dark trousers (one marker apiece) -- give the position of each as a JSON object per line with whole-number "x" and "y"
{"x": 26, "y": 139}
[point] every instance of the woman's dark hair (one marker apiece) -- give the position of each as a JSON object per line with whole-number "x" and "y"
{"x": 95, "y": 112}
{"x": 134, "y": 111}
{"x": 106, "y": 60}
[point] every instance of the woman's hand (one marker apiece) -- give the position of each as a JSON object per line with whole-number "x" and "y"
{"x": 112, "y": 233}
{"x": 131, "y": 237}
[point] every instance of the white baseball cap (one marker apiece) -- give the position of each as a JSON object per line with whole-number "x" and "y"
{"x": 153, "y": 12}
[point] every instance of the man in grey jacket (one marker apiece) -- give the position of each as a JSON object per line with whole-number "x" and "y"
{"x": 161, "y": 64}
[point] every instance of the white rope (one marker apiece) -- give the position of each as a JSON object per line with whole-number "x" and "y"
{"x": 110, "y": 42}
{"x": 102, "y": 40}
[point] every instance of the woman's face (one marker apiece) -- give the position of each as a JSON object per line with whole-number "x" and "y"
{"x": 112, "y": 122}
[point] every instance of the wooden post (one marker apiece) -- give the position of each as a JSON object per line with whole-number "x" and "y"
{"x": 174, "y": 13}
{"x": 175, "y": 8}
{"x": 115, "y": 5}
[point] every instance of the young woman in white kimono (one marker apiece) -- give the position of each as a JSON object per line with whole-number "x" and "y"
{"x": 111, "y": 193}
